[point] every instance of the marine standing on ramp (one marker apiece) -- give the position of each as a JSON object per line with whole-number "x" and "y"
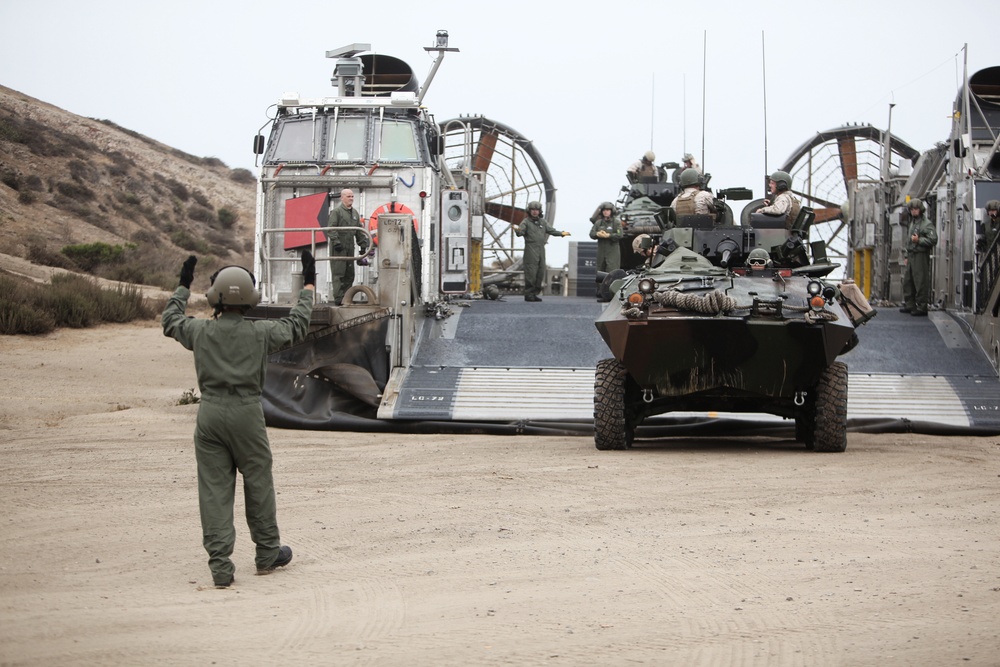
{"x": 917, "y": 273}
{"x": 230, "y": 358}
{"x": 607, "y": 231}
{"x": 536, "y": 231}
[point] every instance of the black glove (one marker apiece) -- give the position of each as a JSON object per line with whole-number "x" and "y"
{"x": 187, "y": 271}
{"x": 308, "y": 268}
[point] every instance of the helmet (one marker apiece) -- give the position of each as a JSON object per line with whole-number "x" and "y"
{"x": 642, "y": 242}
{"x": 917, "y": 204}
{"x": 534, "y": 205}
{"x": 783, "y": 179}
{"x": 688, "y": 157}
{"x": 649, "y": 156}
{"x": 607, "y": 205}
{"x": 993, "y": 205}
{"x": 689, "y": 177}
{"x": 233, "y": 286}
{"x": 758, "y": 255}
{"x": 491, "y": 292}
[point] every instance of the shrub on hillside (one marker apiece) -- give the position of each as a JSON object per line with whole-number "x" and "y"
{"x": 88, "y": 256}
{"x": 70, "y": 300}
{"x": 227, "y": 218}
{"x": 200, "y": 214}
{"x": 242, "y": 176}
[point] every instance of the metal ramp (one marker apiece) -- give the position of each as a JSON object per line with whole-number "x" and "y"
{"x": 511, "y": 361}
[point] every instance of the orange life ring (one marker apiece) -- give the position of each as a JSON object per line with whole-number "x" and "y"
{"x": 388, "y": 208}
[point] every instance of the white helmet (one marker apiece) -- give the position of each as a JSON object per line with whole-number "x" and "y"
{"x": 233, "y": 286}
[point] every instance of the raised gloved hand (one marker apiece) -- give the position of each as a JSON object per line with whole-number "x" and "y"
{"x": 187, "y": 271}
{"x": 565, "y": 233}
{"x": 308, "y": 268}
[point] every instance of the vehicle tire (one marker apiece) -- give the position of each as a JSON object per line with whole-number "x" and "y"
{"x": 611, "y": 425}
{"x": 604, "y": 289}
{"x": 831, "y": 409}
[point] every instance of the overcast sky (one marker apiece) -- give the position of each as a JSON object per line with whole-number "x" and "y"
{"x": 593, "y": 84}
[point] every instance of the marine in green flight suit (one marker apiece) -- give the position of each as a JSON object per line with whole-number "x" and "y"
{"x": 230, "y": 359}
{"x": 921, "y": 239}
{"x": 536, "y": 232}
{"x": 341, "y": 244}
{"x": 607, "y": 231}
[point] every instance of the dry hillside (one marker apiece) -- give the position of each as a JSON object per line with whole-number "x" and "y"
{"x": 66, "y": 180}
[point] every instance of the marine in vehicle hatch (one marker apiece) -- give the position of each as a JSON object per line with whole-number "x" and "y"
{"x": 781, "y": 202}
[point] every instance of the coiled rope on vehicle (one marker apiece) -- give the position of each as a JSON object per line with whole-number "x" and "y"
{"x": 715, "y": 301}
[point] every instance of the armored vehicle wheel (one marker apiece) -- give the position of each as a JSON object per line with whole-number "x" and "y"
{"x": 611, "y": 425}
{"x": 830, "y": 433}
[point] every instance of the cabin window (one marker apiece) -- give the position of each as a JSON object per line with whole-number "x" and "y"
{"x": 398, "y": 142}
{"x": 295, "y": 141}
{"x": 347, "y": 141}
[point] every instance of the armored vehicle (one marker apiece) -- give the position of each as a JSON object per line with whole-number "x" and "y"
{"x": 690, "y": 334}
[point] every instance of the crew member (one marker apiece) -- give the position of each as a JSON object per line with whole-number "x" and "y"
{"x": 991, "y": 224}
{"x": 341, "y": 244}
{"x": 693, "y": 200}
{"x": 781, "y": 202}
{"x": 691, "y": 163}
{"x": 607, "y": 231}
{"x": 536, "y": 232}
{"x": 922, "y": 237}
{"x": 230, "y": 358}
{"x": 643, "y": 168}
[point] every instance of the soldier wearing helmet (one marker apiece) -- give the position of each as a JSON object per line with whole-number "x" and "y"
{"x": 921, "y": 239}
{"x": 691, "y": 163}
{"x": 759, "y": 259}
{"x": 230, "y": 357}
{"x": 536, "y": 231}
{"x": 991, "y": 223}
{"x": 781, "y": 202}
{"x": 692, "y": 200}
{"x": 643, "y": 168}
{"x": 607, "y": 231}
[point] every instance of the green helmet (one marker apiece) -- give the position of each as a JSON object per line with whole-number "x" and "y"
{"x": 233, "y": 286}
{"x": 607, "y": 205}
{"x": 783, "y": 179}
{"x": 993, "y": 205}
{"x": 759, "y": 256}
{"x": 534, "y": 205}
{"x": 917, "y": 204}
{"x": 491, "y": 292}
{"x": 689, "y": 177}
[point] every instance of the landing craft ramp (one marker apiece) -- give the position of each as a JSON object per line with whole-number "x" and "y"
{"x": 531, "y": 365}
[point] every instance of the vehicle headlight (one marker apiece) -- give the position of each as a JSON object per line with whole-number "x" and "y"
{"x": 647, "y": 285}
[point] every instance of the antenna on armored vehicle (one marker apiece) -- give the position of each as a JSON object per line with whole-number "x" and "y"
{"x": 763, "y": 67}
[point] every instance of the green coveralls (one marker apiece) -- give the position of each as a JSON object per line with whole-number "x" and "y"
{"x": 917, "y": 274}
{"x": 536, "y": 233}
{"x": 230, "y": 358}
{"x": 342, "y": 271}
{"x": 609, "y": 252}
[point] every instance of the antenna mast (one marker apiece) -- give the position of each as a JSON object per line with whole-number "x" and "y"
{"x": 652, "y": 112}
{"x": 763, "y": 66}
{"x": 703, "y": 68}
